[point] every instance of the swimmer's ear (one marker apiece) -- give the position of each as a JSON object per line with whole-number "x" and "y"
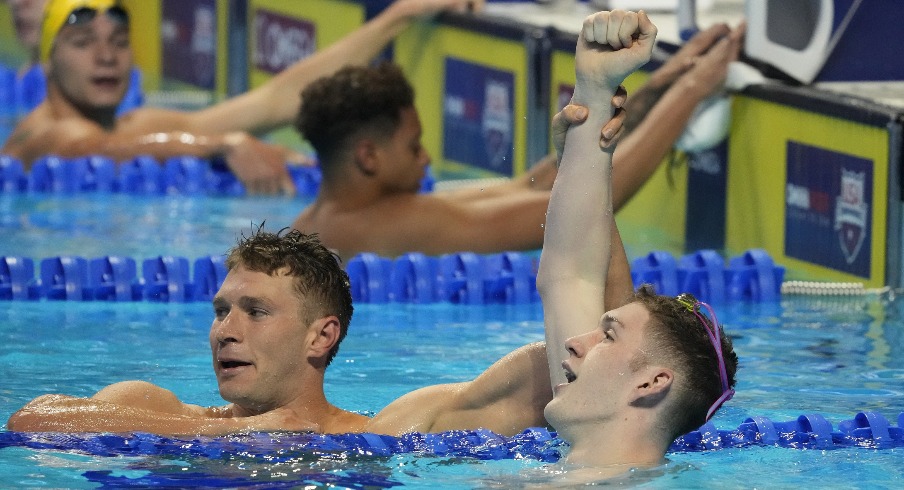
{"x": 652, "y": 386}
{"x": 323, "y": 335}
{"x": 367, "y": 156}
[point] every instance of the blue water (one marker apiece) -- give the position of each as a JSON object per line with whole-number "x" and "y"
{"x": 96, "y": 225}
{"x": 835, "y": 357}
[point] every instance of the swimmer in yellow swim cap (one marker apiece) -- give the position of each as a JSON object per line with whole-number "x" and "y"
{"x": 59, "y": 13}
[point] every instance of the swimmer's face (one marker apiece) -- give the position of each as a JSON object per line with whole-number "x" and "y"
{"x": 403, "y": 158}
{"x": 90, "y": 63}
{"x": 259, "y": 339}
{"x": 27, "y": 16}
{"x": 602, "y": 371}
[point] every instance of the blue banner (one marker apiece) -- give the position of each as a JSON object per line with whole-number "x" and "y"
{"x": 478, "y": 116}
{"x": 189, "y": 38}
{"x": 828, "y": 199}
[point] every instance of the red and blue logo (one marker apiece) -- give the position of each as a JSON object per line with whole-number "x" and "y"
{"x": 828, "y": 198}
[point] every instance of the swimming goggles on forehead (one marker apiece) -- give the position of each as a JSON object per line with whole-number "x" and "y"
{"x": 713, "y": 330}
{"x": 84, "y": 15}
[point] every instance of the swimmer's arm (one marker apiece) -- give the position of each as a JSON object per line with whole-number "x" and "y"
{"x": 60, "y": 413}
{"x": 577, "y": 246}
{"x": 641, "y": 151}
{"x": 22, "y": 144}
{"x": 539, "y": 177}
{"x": 619, "y": 286}
{"x": 77, "y": 137}
{"x": 506, "y": 398}
{"x": 260, "y": 166}
{"x": 147, "y": 396}
{"x": 276, "y": 103}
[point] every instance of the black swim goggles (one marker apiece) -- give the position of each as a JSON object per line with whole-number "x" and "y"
{"x": 84, "y": 15}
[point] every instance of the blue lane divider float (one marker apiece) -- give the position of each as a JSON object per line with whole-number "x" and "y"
{"x": 114, "y": 279}
{"x": 142, "y": 175}
{"x": 510, "y": 277}
{"x": 808, "y": 431}
{"x": 17, "y": 279}
{"x": 751, "y": 276}
{"x": 111, "y": 278}
{"x": 461, "y": 278}
{"x": 811, "y": 431}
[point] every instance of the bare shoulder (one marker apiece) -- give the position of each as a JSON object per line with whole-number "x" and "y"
{"x": 29, "y": 139}
{"x": 389, "y": 226}
{"x": 141, "y": 394}
{"x": 154, "y": 119}
{"x": 41, "y": 134}
{"x": 345, "y": 422}
{"x": 416, "y": 411}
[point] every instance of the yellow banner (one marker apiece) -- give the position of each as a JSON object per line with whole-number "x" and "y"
{"x": 792, "y": 169}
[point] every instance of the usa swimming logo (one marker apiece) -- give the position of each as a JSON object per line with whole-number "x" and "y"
{"x": 280, "y": 40}
{"x": 478, "y": 116}
{"x": 851, "y": 212}
{"x": 828, "y": 196}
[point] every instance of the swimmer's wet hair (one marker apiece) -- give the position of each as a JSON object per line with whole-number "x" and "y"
{"x": 319, "y": 279}
{"x": 677, "y": 340}
{"x": 353, "y": 101}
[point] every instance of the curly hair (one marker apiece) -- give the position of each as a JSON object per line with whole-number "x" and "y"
{"x": 320, "y": 282}
{"x": 354, "y": 100}
{"x": 678, "y": 340}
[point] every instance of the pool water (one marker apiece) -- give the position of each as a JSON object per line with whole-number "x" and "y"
{"x": 832, "y": 356}
{"x": 96, "y": 224}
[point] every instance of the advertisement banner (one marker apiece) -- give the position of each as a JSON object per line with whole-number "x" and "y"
{"x": 280, "y": 40}
{"x": 810, "y": 189}
{"x": 478, "y": 116}
{"x": 188, "y": 34}
{"x": 828, "y": 198}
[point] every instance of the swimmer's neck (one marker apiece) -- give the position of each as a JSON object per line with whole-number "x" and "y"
{"x": 105, "y": 118}
{"x": 353, "y": 192}
{"x": 625, "y": 445}
{"x": 63, "y": 108}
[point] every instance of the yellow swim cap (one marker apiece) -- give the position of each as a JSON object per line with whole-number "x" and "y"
{"x": 56, "y": 12}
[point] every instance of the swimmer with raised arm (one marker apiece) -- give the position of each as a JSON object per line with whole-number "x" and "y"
{"x": 88, "y": 58}
{"x": 650, "y": 370}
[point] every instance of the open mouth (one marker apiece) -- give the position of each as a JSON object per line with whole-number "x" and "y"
{"x": 233, "y": 364}
{"x": 569, "y": 374}
{"x": 106, "y": 81}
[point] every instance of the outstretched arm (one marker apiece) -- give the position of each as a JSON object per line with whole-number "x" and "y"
{"x": 276, "y": 103}
{"x": 506, "y": 398}
{"x": 139, "y": 406}
{"x": 645, "y": 97}
{"x": 577, "y": 243}
{"x": 260, "y": 166}
{"x": 660, "y": 111}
